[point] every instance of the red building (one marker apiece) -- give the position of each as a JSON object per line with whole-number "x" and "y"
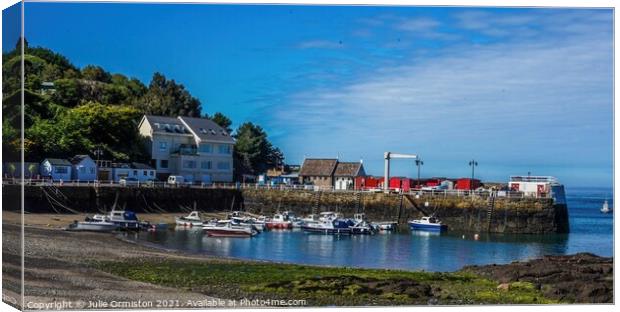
{"x": 368, "y": 182}
{"x": 401, "y": 183}
{"x": 467, "y": 184}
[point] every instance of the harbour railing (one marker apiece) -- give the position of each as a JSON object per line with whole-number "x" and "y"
{"x": 434, "y": 193}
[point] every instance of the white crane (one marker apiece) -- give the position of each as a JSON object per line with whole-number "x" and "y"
{"x": 387, "y": 156}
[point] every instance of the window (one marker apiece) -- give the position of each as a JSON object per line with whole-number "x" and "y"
{"x": 224, "y": 149}
{"x": 190, "y": 164}
{"x": 223, "y": 165}
{"x": 205, "y": 148}
{"x": 144, "y": 173}
{"x": 135, "y": 173}
{"x": 163, "y": 146}
{"x": 92, "y": 170}
{"x": 60, "y": 169}
{"x": 82, "y": 169}
{"x": 151, "y": 173}
{"x": 205, "y": 165}
{"x": 163, "y": 163}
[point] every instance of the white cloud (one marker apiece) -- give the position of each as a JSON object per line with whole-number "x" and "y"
{"x": 545, "y": 102}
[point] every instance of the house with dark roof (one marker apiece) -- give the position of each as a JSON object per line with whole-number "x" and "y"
{"x": 318, "y": 172}
{"x": 56, "y": 169}
{"x": 346, "y": 173}
{"x": 84, "y": 168}
{"x": 330, "y": 173}
{"x": 195, "y": 148}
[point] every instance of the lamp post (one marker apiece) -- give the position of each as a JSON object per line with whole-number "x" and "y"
{"x": 473, "y": 163}
{"x": 419, "y": 162}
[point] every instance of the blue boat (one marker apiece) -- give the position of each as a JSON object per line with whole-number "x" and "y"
{"x": 427, "y": 224}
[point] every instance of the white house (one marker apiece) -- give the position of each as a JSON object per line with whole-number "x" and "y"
{"x": 84, "y": 168}
{"x": 138, "y": 171}
{"x": 56, "y": 169}
{"x": 196, "y": 148}
{"x": 538, "y": 186}
{"x": 345, "y": 174}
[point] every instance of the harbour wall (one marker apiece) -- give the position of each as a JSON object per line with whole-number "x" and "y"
{"x": 471, "y": 213}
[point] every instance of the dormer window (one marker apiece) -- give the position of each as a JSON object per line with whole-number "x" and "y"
{"x": 213, "y": 131}
{"x": 203, "y": 130}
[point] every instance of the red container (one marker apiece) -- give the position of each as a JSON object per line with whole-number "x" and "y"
{"x": 467, "y": 184}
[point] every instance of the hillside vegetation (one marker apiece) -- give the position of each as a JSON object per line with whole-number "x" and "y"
{"x": 90, "y": 108}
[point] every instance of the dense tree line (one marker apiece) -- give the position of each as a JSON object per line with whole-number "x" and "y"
{"x": 90, "y": 108}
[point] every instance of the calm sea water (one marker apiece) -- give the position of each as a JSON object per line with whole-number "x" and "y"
{"x": 591, "y": 231}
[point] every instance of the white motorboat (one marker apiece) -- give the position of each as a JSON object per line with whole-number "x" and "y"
{"x": 328, "y": 227}
{"x": 191, "y": 220}
{"x": 384, "y": 226}
{"x": 228, "y": 229}
{"x": 606, "y": 208}
{"x": 124, "y": 219}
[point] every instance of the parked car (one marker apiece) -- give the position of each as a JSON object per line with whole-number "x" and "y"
{"x": 128, "y": 182}
{"x": 176, "y": 180}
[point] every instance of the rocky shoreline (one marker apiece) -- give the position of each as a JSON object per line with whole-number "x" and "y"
{"x": 92, "y": 267}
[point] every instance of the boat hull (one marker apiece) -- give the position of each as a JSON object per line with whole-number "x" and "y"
{"x": 331, "y": 231}
{"x": 279, "y": 225}
{"x": 93, "y": 227}
{"x": 427, "y": 227}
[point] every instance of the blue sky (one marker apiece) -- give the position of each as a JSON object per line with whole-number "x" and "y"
{"x": 517, "y": 89}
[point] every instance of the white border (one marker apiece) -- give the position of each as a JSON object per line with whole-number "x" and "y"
{"x": 488, "y": 3}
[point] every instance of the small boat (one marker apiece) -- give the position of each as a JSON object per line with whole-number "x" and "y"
{"x": 336, "y": 227}
{"x": 361, "y": 225}
{"x": 191, "y": 220}
{"x": 124, "y": 219}
{"x": 92, "y": 225}
{"x": 384, "y": 226}
{"x": 606, "y": 208}
{"x": 427, "y": 224}
{"x": 279, "y": 221}
{"x": 228, "y": 229}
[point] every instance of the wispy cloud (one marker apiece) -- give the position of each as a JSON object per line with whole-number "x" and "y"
{"x": 320, "y": 44}
{"x": 418, "y": 24}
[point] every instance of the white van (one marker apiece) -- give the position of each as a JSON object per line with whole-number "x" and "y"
{"x": 176, "y": 180}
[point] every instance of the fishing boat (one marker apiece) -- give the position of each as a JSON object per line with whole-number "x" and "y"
{"x": 279, "y": 221}
{"x": 228, "y": 229}
{"x": 92, "y": 225}
{"x": 606, "y": 208}
{"x": 427, "y": 224}
{"x": 124, "y": 219}
{"x": 191, "y": 220}
{"x": 336, "y": 227}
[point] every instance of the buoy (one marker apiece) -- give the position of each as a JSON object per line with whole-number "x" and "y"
{"x": 463, "y": 236}
{"x": 476, "y": 236}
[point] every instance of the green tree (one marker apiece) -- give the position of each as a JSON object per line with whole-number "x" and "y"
{"x": 167, "y": 98}
{"x": 254, "y": 154}
{"x": 96, "y": 73}
{"x": 222, "y": 121}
